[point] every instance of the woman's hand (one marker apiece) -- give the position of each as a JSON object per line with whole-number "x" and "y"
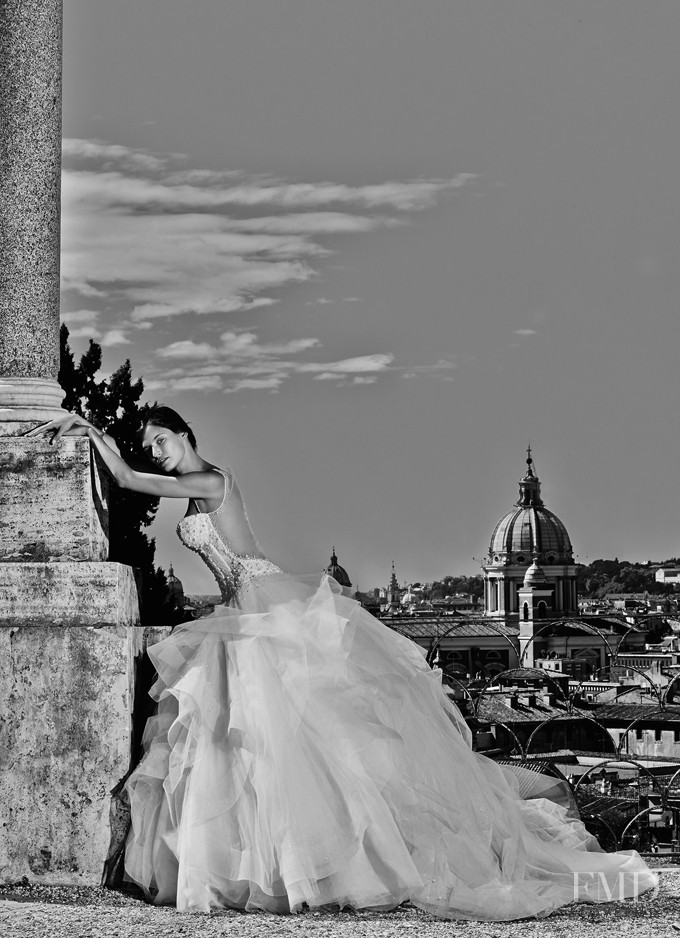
{"x": 66, "y": 425}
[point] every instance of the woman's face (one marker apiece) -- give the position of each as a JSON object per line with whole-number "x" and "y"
{"x": 164, "y": 447}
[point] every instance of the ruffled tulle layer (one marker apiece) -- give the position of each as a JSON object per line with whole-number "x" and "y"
{"x": 303, "y": 753}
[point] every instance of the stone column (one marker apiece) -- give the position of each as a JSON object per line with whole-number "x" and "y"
{"x": 30, "y": 169}
{"x": 69, "y": 618}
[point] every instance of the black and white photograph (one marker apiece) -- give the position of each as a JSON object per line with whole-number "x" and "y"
{"x": 339, "y": 540}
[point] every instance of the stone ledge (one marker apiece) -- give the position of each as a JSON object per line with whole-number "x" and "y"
{"x": 99, "y": 594}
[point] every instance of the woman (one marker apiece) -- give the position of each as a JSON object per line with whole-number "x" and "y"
{"x": 304, "y": 754}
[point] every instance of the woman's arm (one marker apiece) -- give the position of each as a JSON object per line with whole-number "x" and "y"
{"x": 71, "y": 425}
{"x": 206, "y": 484}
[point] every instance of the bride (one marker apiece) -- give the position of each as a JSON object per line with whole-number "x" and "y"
{"x": 302, "y": 753}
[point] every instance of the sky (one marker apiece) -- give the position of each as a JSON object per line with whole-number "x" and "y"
{"x": 371, "y": 250}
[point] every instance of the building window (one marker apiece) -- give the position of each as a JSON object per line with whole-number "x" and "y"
{"x": 657, "y": 736}
{"x": 526, "y": 612}
{"x": 676, "y": 736}
{"x": 638, "y": 734}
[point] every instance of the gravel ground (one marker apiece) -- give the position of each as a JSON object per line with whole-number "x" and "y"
{"x": 80, "y": 912}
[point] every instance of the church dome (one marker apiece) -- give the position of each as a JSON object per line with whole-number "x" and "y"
{"x": 337, "y": 572}
{"x": 529, "y": 529}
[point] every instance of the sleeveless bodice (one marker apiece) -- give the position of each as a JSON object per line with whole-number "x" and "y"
{"x": 233, "y": 571}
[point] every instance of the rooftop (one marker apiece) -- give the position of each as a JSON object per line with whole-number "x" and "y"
{"x": 627, "y": 712}
{"x": 496, "y": 708}
{"x": 434, "y": 626}
{"x": 437, "y": 626}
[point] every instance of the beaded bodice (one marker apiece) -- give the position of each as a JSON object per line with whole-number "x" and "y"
{"x": 232, "y": 571}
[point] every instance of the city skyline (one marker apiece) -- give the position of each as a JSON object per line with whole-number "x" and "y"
{"x": 371, "y": 253}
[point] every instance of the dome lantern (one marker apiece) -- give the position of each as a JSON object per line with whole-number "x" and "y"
{"x": 529, "y": 487}
{"x": 530, "y": 528}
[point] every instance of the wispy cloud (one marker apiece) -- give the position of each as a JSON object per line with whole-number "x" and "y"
{"x": 157, "y": 239}
{"x": 147, "y": 239}
{"x": 115, "y": 337}
{"x": 524, "y": 332}
{"x": 84, "y": 324}
{"x": 240, "y": 361}
{"x": 325, "y": 301}
{"x": 440, "y": 369}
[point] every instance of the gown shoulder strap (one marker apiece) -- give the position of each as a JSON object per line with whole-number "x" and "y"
{"x": 228, "y": 476}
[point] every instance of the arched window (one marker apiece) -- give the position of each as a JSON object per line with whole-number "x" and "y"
{"x": 526, "y": 612}
{"x": 541, "y": 610}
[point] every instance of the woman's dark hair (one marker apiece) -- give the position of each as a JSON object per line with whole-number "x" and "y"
{"x": 166, "y": 417}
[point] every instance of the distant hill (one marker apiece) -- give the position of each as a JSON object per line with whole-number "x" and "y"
{"x": 601, "y": 577}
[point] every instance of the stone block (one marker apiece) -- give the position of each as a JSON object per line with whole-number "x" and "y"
{"x": 99, "y": 595}
{"x": 65, "y": 733}
{"x": 53, "y": 501}
{"x": 70, "y": 642}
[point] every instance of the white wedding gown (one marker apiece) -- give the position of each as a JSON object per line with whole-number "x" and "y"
{"x": 304, "y": 753}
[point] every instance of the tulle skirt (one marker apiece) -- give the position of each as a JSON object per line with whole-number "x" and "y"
{"x": 305, "y": 754}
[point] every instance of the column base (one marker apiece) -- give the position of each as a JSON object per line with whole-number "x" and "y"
{"x": 26, "y": 402}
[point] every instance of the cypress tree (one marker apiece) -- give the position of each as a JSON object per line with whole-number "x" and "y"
{"x": 113, "y": 405}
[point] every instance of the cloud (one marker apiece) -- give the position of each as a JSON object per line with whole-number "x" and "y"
{"x": 235, "y": 345}
{"x": 524, "y": 332}
{"x": 324, "y": 300}
{"x": 112, "y": 188}
{"x": 80, "y": 316}
{"x": 114, "y": 337}
{"x": 272, "y": 384}
{"x": 346, "y": 366}
{"x": 189, "y": 383}
{"x": 240, "y": 361}
{"x": 156, "y": 239}
{"x": 84, "y": 324}
{"x": 440, "y": 369}
{"x": 147, "y": 239}
{"x": 110, "y": 154}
